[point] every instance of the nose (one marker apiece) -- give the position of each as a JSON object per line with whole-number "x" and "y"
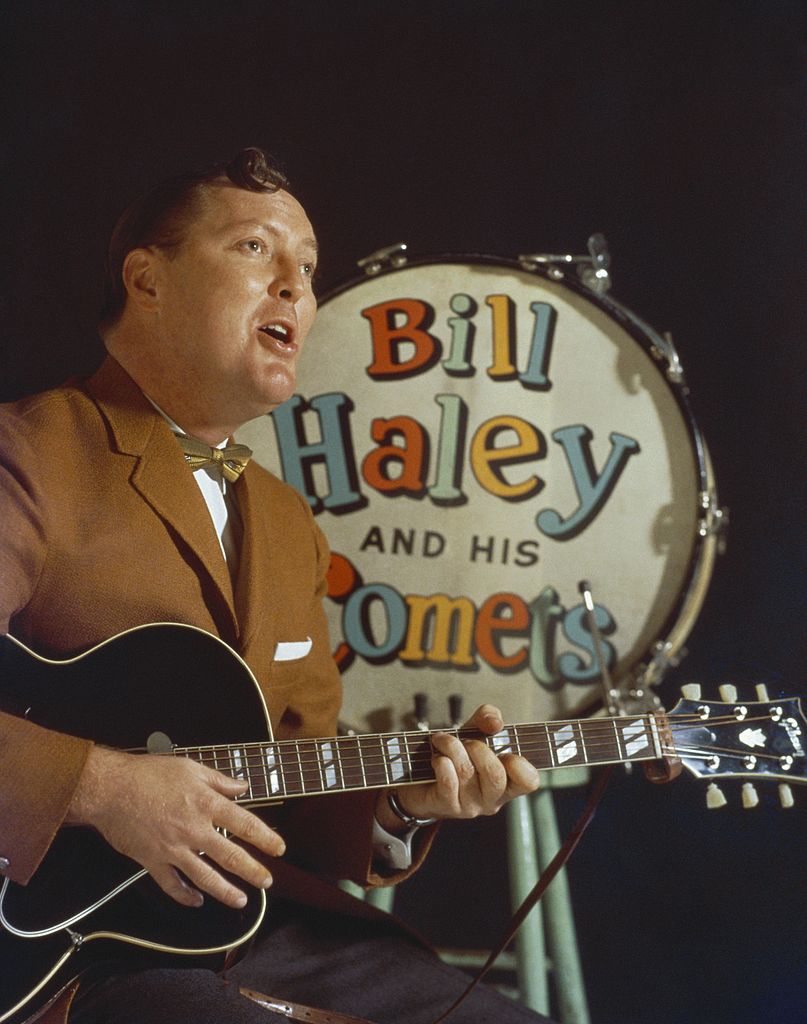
{"x": 288, "y": 282}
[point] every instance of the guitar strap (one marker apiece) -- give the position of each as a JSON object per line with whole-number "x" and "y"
{"x": 554, "y": 866}
{"x": 297, "y": 1011}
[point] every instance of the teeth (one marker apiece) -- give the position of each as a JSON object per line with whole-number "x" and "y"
{"x": 276, "y": 330}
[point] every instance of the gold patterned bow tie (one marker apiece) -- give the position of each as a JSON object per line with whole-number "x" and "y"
{"x": 232, "y": 460}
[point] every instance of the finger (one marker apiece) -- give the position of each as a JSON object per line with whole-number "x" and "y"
{"x": 454, "y": 749}
{"x": 247, "y": 826}
{"x": 522, "y": 776}
{"x": 487, "y": 719}
{"x": 233, "y": 858}
{"x": 202, "y": 873}
{"x": 175, "y": 886}
{"x": 226, "y": 784}
{"x": 491, "y": 775}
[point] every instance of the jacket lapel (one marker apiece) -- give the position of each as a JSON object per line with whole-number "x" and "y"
{"x": 161, "y": 475}
{"x": 255, "y": 608}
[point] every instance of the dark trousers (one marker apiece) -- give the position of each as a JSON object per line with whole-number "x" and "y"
{"x": 371, "y": 969}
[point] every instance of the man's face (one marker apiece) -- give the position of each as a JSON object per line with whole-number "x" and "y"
{"x": 236, "y": 302}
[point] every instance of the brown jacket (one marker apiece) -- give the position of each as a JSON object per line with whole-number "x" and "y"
{"x": 104, "y": 528}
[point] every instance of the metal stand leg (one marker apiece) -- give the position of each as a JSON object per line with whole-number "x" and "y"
{"x": 522, "y": 859}
{"x": 561, "y": 935}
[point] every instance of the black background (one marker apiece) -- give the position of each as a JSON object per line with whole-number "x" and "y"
{"x": 675, "y": 129}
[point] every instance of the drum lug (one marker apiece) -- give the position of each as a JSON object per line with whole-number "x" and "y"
{"x": 664, "y": 349}
{"x": 715, "y": 520}
{"x": 391, "y": 257}
{"x": 592, "y": 269}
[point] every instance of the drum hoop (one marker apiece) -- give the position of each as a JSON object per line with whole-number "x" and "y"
{"x": 682, "y": 615}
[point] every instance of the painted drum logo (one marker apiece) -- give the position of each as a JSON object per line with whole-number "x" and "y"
{"x": 475, "y": 441}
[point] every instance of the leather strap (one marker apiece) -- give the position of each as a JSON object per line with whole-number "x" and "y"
{"x": 297, "y": 1011}
{"x": 554, "y": 866}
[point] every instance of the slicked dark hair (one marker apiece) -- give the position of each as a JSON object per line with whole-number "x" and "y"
{"x": 160, "y": 217}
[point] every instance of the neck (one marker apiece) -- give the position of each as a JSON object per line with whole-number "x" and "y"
{"x": 188, "y": 406}
{"x": 289, "y": 768}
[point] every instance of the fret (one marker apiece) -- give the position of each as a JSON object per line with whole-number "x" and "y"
{"x": 221, "y": 761}
{"x": 254, "y": 773}
{"x": 583, "y": 750}
{"x": 553, "y": 761}
{"x": 353, "y": 773}
{"x": 620, "y": 749}
{"x": 204, "y": 756}
{"x": 310, "y": 771}
{"x": 532, "y": 742}
{"x": 375, "y": 762}
{"x": 290, "y": 760}
{"x": 419, "y": 746}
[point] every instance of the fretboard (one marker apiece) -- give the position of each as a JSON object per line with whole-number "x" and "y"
{"x": 290, "y": 768}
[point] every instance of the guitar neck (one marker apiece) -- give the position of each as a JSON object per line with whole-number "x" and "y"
{"x": 289, "y": 768}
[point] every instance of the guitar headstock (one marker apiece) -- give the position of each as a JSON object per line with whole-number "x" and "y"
{"x": 762, "y": 739}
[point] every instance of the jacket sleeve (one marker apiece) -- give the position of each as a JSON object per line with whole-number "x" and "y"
{"x": 40, "y": 768}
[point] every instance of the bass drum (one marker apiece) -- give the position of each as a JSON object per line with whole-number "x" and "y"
{"x": 476, "y": 439}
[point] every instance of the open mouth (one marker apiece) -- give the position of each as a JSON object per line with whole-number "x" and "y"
{"x": 279, "y": 332}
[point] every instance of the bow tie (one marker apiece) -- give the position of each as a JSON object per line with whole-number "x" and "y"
{"x": 231, "y": 460}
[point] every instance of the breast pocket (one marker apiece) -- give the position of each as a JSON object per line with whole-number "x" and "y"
{"x": 292, "y": 650}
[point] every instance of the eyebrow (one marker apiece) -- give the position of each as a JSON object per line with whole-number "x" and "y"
{"x": 239, "y": 224}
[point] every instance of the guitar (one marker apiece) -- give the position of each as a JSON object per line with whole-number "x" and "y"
{"x": 140, "y": 691}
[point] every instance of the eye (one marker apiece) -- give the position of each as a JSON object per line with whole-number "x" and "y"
{"x": 256, "y": 245}
{"x": 308, "y": 269}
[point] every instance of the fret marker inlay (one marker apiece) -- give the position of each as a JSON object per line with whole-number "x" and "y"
{"x": 634, "y": 737}
{"x": 395, "y": 759}
{"x": 501, "y": 742}
{"x": 328, "y": 765}
{"x": 272, "y": 771}
{"x": 565, "y": 744}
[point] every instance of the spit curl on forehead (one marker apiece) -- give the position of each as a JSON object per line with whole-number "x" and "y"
{"x": 161, "y": 217}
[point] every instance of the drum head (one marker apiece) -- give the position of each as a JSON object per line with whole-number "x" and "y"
{"x": 476, "y": 440}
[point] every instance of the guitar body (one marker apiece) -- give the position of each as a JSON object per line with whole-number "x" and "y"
{"x": 86, "y": 903}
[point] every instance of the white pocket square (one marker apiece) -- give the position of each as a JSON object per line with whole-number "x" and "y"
{"x": 291, "y": 651}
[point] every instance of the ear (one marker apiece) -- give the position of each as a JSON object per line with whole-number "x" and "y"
{"x": 140, "y": 275}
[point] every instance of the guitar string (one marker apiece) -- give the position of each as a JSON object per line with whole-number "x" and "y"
{"x": 310, "y": 751}
{"x": 525, "y": 738}
{"x": 419, "y": 759}
{"x": 423, "y": 758}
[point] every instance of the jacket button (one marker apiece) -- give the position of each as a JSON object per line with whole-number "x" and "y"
{"x": 5, "y": 863}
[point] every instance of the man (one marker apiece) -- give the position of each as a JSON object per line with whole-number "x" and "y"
{"x": 109, "y": 526}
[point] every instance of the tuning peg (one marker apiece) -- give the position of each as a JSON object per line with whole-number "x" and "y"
{"x": 762, "y": 692}
{"x": 691, "y": 691}
{"x": 728, "y": 693}
{"x": 785, "y": 795}
{"x": 715, "y": 797}
{"x": 750, "y": 796}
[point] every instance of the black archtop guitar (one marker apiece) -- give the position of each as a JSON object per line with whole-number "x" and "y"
{"x": 143, "y": 690}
